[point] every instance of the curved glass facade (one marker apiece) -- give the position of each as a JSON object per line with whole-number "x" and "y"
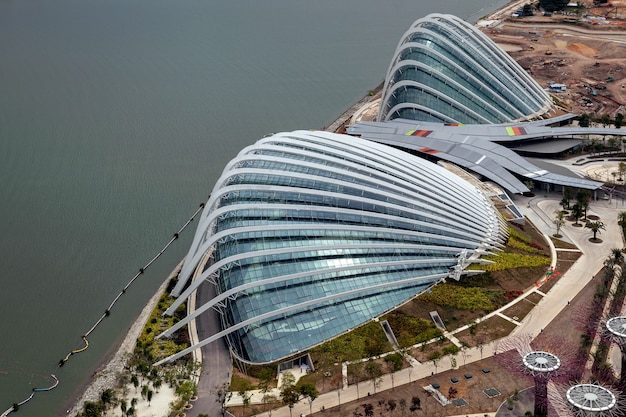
{"x": 445, "y": 70}
{"x": 310, "y": 234}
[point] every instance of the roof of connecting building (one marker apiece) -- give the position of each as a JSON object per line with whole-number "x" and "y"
{"x": 479, "y": 148}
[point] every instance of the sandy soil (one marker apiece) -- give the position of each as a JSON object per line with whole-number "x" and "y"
{"x": 589, "y": 57}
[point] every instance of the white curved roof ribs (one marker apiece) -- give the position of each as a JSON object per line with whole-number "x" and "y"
{"x": 468, "y": 48}
{"x": 458, "y": 86}
{"x": 299, "y": 208}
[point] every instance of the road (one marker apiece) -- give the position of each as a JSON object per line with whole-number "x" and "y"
{"x": 216, "y": 362}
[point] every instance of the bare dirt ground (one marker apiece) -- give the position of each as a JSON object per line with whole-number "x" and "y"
{"x": 587, "y": 54}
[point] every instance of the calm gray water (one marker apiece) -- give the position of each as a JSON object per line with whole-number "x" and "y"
{"x": 117, "y": 117}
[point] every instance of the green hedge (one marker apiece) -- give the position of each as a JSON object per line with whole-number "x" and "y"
{"x": 409, "y": 330}
{"x": 507, "y": 260}
{"x": 363, "y": 342}
{"x": 463, "y": 298}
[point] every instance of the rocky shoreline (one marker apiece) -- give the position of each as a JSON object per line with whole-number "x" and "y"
{"x": 107, "y": 376}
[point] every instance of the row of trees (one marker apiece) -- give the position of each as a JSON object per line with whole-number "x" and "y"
{"x": 586, "y": 120}
{"x": 388, "y": 406}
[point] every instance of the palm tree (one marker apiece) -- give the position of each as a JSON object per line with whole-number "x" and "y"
{"x": 577, "y": 212}
{"x": 595, "y": 227}
{"x": 583, "y": 197}
{"x": 617, "y": 255}
{"x": 106, "y": 397}
{"x": 123, "y": 407}
{"x": 91, "y": 409}
{"x": 621, "y": 219}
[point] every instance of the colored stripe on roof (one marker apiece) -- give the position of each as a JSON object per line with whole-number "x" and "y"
{"x": 515, "y": 131}
{"x": 421, "y": 133}
{"x": 429, "y": 151}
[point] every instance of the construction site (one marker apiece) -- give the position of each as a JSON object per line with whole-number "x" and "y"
{"x": 578, "y": 54}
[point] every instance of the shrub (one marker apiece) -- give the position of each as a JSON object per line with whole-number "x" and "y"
{"x": 365, "y": 341}
{"x": 411, "y": 330}
{"x": 462, "y": 298}
{"x": 506, "y": 260}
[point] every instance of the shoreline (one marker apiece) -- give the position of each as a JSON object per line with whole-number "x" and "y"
{"x": 107, "y": 374}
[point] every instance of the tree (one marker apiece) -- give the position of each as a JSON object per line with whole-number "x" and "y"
{"x": 243, "y": 392}
{"x": 434, "y": 358}
{"x": 135, "y": 381}
{"x": 416, "y": 404}
{"x": 553, "y": 5}
{"x": 464, "y": 352}
{"x": 605, "y": 119}
{"x": 559, "y": 221}
{"x": 595, "y": 227}
{"x": 374, "y": 371}
{"x": 614, "y": 143}
{"x": 451, "y": 351}
{"x": 584, "y": 119}
{"x": 527, "y": 10}
{"x": 356, "y": 372}
{"x": 617, "y": 255}
{"x": 394, "y": 364}
{"x": 621, "y": 219}
{"x": 480, "y": 344}
{"x": 265, "y": 381}
{"x": 402, "y": 406}
{"x": 577, "y": 213}
{"x": 621, "y": 168}
{"x": 619, "y": 120}
{"x": 186, "y": 390}
{"x": 583, "y": 197}
{"x": 568, "y": 194}
{"x": 290, "y": 396}
{"x": 106, "y": 398}
{"x": 288, "y": 391}
{"x": 92, "y": 409}
{"x": 123, "y": 406}
{"x": 157, "y": 384}
{"x": 308, "y": 391}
